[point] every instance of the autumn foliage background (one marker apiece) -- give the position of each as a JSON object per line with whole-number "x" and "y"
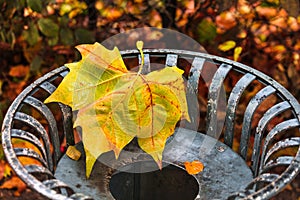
{"x": 37, "y": 36}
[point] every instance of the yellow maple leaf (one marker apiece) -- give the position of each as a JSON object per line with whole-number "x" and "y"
{"x": 117, "y": 105}
{"x": 91, "y": 77}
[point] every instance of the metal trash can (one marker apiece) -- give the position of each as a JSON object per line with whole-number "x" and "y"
{"x": 254, "y": 155}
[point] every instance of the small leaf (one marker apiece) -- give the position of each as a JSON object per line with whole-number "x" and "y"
{"x": 36, "y": 64}
{"x": 35, "y": 5}
{"x": 19, "y": 71}
{"x": 31, "y": 35}
{"x": 207, "y": 31}
{"x": 237, "y": 52}
{"x": 84, "y": 36}
{"x": 52, "y": 41}
{"x": 48, "y": 27}
{"x": 66, "y": 36}
{"x": 226, "y": 46}
{"x": 194, "y": 167}
{"x": 73, "y": 153}
{"x": 7, "y": 170}
{"x": 65, "y": 8}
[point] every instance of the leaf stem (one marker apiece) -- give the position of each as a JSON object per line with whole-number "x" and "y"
{"x": 139, "y": 45}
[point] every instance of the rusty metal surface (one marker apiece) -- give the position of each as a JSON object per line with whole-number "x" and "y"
{"x": 263, "y": 165}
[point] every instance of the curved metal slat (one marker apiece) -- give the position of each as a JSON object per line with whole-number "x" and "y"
{"x": 30, "y": 153}
{"x": 57, "y": 184}
{"x": 250, "y": 189}
{"x": 271, "y": 113}
{"x": 171, "y": 60}
{"x": 67, "y": 114}
{"x": 38, "y": 169}
{"x": 194, "y": 75}
{"x": 48, "y": 87}
{"x": 43, "y": 109}
{"x": 147, "y": 67}
{"x": 40, "y": 130}
{"x": 192, "y": 92}
{"x": 79, "y": 196}
{"x": 213, "y": 98}
{"x": 233, "y": 102}
{"x": 67, "y": 123}
{"x": 24, "y": 135}
{"x": 281, "y": 127}
{"x": 250, "y": 110}
{"x": 280, "y": 161}
{"x": 263, "y": 178}
{"x": 64, "y": 73}
{"x": 262, "y": 124}
{"x": 288, "y": 142}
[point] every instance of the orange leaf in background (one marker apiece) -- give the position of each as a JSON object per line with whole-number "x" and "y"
{"x": 13, "y": 183}
{"x": 225, "y": 21}
{"x": 2, "y": 168}
{"x": 267, "y": 12}
{"x": 194, "y": 167}
{"x": 19, "y": 71}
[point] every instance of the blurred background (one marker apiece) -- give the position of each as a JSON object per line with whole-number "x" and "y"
{"x": 37, "y": 36}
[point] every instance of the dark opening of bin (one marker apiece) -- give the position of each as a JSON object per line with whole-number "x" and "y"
{"x": 144, "y": 181}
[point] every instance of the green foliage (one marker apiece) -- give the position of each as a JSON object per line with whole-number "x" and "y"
{"x": 48, "y": 27}
{"x": 35, "y": 5}
{"x": 83, "y": 36}
{"x": 207, "y": 31}
{"x": 31, "y": 35}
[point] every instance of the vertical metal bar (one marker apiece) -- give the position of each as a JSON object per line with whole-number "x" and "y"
{"x": 213, "y": 99}
{"x": 251, "y": 108}
{"x": 171, "y": 60}
{"x": 45, "y": 111}
{"x": 147, "y": 67}
{"x": 192, "y": 93}
{"x": 262, "y": 124}
{"x": 233, "y": 102}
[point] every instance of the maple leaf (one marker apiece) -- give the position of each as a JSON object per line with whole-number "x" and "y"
{"x": 94, "y": 75}
{"x": 123, "y": 104}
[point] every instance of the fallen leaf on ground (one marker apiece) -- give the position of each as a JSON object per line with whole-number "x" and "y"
{"x": 73, "y": 153}
{"x": 19, "y": 71}
{"x": 14, "y": 183}
{"x": 194, "y": 167}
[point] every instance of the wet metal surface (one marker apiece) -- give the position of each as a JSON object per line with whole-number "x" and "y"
{"x": 224, "y": 172}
